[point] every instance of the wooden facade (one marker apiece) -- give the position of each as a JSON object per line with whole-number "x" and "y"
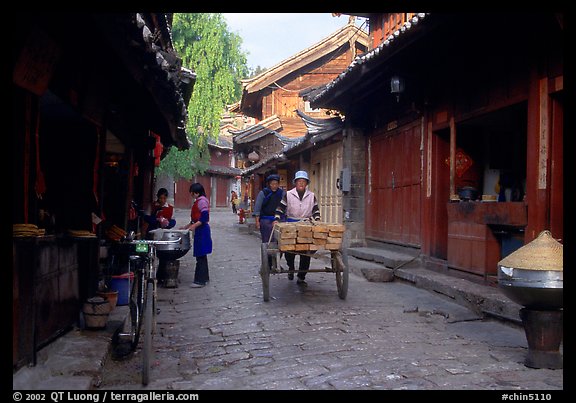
{"x": 476, "y": 111}
{"x": 87, "y": 104}
{"x": 277, "y": 94}
{"x": 218, "y": 180}
{"x": 393, "y": 207}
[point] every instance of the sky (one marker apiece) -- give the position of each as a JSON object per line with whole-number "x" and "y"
{"x": 269, "y": 38}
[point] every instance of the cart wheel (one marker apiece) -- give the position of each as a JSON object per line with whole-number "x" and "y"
{"x": 341, "y": 270}
{"x": 265, "y": 272}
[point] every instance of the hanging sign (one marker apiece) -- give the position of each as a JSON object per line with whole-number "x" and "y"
{"x": 36, "y": 62}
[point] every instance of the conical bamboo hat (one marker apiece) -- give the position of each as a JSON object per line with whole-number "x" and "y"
{"x": 543, "y": 253}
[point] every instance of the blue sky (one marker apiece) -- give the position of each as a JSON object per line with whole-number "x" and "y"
{"x": 269, "y": 38}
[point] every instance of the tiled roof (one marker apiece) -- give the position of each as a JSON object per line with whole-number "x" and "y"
{"x": 222, "y": 170}
{"x": 316, "y": 96}
{"x": 318, "y": 130}
{"x": 220, "y": 142}
{"x": 256, "y": 131}
{"x": 308, "y": 55}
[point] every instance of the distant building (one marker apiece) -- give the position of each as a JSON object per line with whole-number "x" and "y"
{"x": 276, "y": 99}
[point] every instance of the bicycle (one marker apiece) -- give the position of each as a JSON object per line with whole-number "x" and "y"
{"x": 143, "y": 298}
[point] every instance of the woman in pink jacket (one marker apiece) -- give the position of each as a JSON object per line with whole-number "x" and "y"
{"x": 298, "y": 204}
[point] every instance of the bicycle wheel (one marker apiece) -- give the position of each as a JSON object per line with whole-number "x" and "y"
{"x": 148, "y": 324}
{"x": 136, "y": 305}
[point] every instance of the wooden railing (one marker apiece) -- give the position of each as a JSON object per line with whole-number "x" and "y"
{"x": 386, "y": 24}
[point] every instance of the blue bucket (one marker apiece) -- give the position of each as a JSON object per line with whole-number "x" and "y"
{"x": 122, "y": 284}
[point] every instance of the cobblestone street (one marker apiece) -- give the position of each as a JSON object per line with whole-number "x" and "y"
{"x": 383, "y": 336}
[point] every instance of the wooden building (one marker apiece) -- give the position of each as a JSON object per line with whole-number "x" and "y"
{"x": 96, "y": 99}
{"x": 446, "y": 110}
{"x": 275, "y": 96}
{"x": 218, "y": 180}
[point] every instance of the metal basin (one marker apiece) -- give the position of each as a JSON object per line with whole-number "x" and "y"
{"x": 171, "y": 251}
{"x": 534, "y": 289}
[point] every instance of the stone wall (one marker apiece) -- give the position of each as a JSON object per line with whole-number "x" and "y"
{"x": 353, "y": 202}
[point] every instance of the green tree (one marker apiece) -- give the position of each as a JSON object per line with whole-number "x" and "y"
{"x": 257, "y": 70}
{"x": 206, "y": 45}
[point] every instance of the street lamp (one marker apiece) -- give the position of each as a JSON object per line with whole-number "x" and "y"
{"x": 396, "y": 86}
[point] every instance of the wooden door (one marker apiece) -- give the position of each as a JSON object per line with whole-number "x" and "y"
{"x": 222, "y": 197}
{"x": 206, "y": 181}
{"x": 326, "y": 165}
{"x": 182, "y": 198}
{"x": 393, "y": 206}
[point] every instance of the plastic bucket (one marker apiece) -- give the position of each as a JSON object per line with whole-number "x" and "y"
{"x": 122, "y": 284}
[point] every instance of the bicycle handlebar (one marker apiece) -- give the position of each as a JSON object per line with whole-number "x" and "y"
{"x": 151, "y": 242}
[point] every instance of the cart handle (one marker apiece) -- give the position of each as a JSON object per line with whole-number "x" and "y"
{"x": 271, "y": 234}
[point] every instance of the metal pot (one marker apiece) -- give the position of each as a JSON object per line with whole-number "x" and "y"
{"x": 534, "y": 289}
{"x": 468, "y": 193}
{"x": 171, "y": 251}
{"x": 533, "y": 275}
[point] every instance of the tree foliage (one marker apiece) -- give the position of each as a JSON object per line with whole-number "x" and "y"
{"x": 205, "y": 45}
{"x": 257, "y": 70}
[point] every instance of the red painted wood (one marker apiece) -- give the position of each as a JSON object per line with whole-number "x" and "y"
{"x": 205, "y": 181}
{"x": 222, "y": 196}
{"x": 440, "y": 195}
{"x": 472, "y": 248}
{"x": 182, "y": 198}
{"x": 536, "y": 198}
{"x": 393, "y": 205}
{"x": 556, "y": 171}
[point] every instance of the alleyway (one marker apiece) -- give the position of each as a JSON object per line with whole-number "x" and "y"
{"x": 383, "y": 336}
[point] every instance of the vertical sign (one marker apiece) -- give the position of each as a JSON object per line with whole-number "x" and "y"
{"x": 543, "y": 134}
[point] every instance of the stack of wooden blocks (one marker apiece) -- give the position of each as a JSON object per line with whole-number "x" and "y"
{"x": 308, "y": 236}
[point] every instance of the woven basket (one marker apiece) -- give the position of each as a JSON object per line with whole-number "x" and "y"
{"x": 543, "y": 253}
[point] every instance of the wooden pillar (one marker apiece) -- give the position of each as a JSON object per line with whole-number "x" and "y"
{"x": 537, "y": 175}
{"x": 452, "y": 156}
{"x": 27, "y": 154}
{"x": 426, "y": 199}
{"x": 557, "y": 170}
{"x": 130, "y": 190}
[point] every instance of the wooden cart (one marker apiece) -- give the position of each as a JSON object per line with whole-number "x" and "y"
{"x": 306, "y": 238}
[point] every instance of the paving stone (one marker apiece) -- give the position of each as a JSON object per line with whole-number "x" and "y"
{"x": 383, "y": 336}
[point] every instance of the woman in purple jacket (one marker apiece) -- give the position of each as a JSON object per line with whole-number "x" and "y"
{"x": 200, "y": 216}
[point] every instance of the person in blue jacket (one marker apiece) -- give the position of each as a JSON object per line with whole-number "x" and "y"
{"x": 199, "y": 223}
{"x": 265, "y": 207}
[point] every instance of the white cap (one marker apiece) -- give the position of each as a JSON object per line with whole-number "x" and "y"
{"x": 301, "y": 175}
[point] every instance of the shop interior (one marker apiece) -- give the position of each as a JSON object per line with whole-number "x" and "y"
{"x": 491, "y": 156}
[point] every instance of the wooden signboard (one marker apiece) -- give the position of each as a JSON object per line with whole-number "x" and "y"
{"x": 36, "y": 62}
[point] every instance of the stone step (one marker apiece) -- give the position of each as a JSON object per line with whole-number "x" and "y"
{"x": 374, "y": 272}
{"x": 482, "y": 299}
{"x": 388, "y": 258}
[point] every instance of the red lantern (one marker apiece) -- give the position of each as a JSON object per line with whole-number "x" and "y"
{"x": 158, "y": 148}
